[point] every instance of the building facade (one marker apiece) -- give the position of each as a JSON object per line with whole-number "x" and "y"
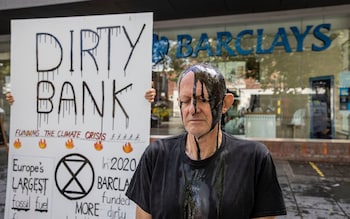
{"x": 289, "y": 72}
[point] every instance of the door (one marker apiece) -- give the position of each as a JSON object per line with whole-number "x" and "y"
{"x": 321, "y": 107}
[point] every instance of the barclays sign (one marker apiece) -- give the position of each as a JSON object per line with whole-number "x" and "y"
{"x": 185, "y": 46}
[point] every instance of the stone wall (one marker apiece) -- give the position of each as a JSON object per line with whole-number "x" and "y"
{"x": 310, "y": 150}
{"x": 307, "y": 149}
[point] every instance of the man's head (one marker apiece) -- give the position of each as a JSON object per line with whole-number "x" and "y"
{"x": 202, "y": 84}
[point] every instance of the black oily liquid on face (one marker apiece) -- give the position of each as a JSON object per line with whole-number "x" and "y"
{"x": 215, "y": 84}
{"x": 214, "y": 99}
{"x": 214, "y": 95}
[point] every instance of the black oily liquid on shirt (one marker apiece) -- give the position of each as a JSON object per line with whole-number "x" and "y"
{"x": 202, "y": 191}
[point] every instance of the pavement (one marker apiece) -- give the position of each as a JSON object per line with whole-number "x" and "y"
{"x": 315, "y": 190}
{"x": 311, "y": 190}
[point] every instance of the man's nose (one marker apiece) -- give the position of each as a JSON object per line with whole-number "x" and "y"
{"x": 193, "y": 107}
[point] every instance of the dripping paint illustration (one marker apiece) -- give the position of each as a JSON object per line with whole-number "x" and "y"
{"x": 97, "y": 50}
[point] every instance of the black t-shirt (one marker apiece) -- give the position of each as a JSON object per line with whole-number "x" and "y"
{"x": 238, "y": 181}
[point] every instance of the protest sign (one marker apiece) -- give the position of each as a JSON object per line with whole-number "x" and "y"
{"x": 80, "y": 121}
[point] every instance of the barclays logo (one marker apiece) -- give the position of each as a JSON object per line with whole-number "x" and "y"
{"x": 232, "y": 44}
{"x": 159, "y": 49}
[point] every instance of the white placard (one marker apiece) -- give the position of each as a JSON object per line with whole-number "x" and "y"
{"x": 80, "y": 121}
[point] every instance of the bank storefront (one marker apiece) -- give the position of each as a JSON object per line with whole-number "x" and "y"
{"x": 290, "y": 75}
{"x": 289, "y": 72}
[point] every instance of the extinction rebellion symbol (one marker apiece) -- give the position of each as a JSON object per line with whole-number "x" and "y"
{"x": 74, "y": 176}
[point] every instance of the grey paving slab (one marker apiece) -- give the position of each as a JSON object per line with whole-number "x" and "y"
{"x": 316, "y": 196}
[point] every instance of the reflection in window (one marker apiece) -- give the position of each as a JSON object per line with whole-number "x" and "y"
{"x": 275, "y": 84}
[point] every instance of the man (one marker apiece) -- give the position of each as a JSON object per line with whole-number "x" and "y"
{"x": 205, "y": 173}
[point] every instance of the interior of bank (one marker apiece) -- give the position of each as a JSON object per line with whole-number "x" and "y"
{"x": 286, "y": 84}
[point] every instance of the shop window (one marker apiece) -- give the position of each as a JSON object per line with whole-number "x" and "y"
{"x": 273, "y": 88}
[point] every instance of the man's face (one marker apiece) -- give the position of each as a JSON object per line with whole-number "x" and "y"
{"x": 196, "y": 111}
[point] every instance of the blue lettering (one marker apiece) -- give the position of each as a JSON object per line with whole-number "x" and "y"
{"x": 300, "y": 37}
{"x": 181, "y": 44}
{"x": 203, "y": 44}
{"x": 283, "y": 35}
{"x": 238, "y": 42}
{"x": 322, "y": 37}
{"x": 259, "y": 40}
{"x": 184, "y": 48}
{"x": 223, "y": 39}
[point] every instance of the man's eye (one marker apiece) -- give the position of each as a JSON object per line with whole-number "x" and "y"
{"x": 199, "y": 99}
{"x": 185, "y": 101}
{"x": 203, "y": 99}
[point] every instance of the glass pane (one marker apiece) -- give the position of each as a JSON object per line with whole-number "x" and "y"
{"x": 273, "y": 89}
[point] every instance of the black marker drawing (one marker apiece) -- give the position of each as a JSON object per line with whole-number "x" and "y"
{"x": 70, "y": 176}
{"x": 132, "y": 45}
{"x": 115, "y": 98}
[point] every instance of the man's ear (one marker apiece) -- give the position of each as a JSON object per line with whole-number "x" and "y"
{"x": 228, "y": 101}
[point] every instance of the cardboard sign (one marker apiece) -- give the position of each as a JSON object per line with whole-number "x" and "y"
{"x": 80, "y": 121}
